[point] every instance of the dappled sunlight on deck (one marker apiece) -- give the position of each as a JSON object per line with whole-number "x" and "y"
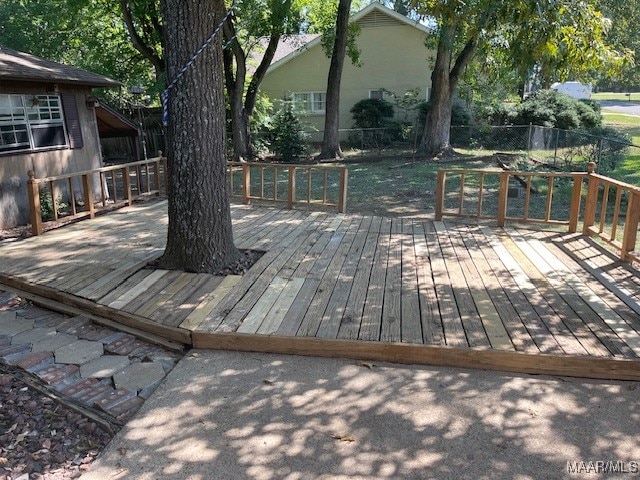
{"x": 401, "y": 289}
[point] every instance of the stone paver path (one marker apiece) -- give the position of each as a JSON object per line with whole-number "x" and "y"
{"x": 99, "y": 367}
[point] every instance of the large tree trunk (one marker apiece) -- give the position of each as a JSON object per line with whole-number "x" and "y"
{"x": 435, "y": 138}
{"x": 199, "y": 237}
{"x": 444, "y": 78}
{"x": 331, "y": 138}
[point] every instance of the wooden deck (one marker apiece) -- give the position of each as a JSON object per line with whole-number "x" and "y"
{"x": 347, "y": 285}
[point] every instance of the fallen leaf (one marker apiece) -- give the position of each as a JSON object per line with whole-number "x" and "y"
{"x": 366, "y": 364}
{"x": 344, "y": 438}
{"x": 122, "y": 451}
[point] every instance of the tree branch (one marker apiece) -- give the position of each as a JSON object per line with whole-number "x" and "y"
{"x": 138, "y": 42}
{"x": 462, "y": 60}
{"x": 258, "y": 75}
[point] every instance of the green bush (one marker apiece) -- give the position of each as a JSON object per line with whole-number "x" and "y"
{"x": 549, "y": 108}
{"x": 371, "y": 113}
{"x": 288, "y": 140}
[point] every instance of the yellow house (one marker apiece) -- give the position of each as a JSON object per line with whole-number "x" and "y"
{"x": 393, "y": 57}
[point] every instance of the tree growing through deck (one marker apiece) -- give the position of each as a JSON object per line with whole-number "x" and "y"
{"x": 199, "y": 237}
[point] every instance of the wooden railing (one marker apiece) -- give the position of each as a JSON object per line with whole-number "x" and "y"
{"x": 289, "y": 184}
{"x": 119, "y": 185}
{"x": 560, "y": 199}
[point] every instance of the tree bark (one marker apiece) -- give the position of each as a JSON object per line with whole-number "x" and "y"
{"x": 235, "y": 78}
{"x": 331, "y": 138}
{"x": 199, "y": 237}
{"x": 444, "y": 79}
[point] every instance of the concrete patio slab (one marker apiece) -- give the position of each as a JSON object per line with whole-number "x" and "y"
{"x": 32, "y": 336}
{"x": 54, "y": 342}
{"x": 11, "y": 324}
{"x": 232, "y": 415}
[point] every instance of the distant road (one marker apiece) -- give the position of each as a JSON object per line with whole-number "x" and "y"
{"x": 621, "y": 106}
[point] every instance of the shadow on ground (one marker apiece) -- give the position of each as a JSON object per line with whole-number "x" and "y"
{"x": 238, "y": 415}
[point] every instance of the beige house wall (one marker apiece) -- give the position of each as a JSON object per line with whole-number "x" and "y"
{"x": 14, "y": 167}
{"x": 393, "y": 57}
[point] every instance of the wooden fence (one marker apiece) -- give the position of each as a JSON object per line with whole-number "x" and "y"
{"x": 608, "y": 208}
{"x": 71, "y": 196}
{"x": 289, "y": 184}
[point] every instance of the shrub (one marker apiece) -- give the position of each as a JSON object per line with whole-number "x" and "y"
{"x": 287, "y": 138}
{"x": 549, "y": 108}
{"x": 371, "y": 113}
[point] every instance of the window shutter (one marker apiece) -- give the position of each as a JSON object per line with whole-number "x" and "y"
{"x": 72, "y": 119}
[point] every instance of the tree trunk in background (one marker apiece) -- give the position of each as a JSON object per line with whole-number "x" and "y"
{"x": 444, "y": 79}
{"x": 199, "y": 237}
{"x": 331, "y": 139}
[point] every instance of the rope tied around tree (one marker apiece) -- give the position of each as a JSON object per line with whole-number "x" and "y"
{"x": 164, "y": 96}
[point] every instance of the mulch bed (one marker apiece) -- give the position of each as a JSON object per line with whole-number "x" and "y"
{"x": 42, "y": 439}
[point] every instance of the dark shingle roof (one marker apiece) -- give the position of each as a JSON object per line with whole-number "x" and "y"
{"x": 22, "y": 66}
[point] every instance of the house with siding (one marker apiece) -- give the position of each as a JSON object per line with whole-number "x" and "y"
{"x": 393, "y": 57}
{"x": 48, "y": 124}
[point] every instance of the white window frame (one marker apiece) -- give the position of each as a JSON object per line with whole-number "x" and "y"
{"x": 309, "y": 102}
{"x": 20, "y": 114}
{"x": 377, "y": 94}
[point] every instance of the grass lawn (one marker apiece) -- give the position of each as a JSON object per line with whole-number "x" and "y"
{"x": 629, "y": 169}
{"x": 633, "y": 96}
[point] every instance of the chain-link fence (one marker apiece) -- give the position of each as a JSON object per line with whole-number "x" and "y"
{"x": 562, "y": 149}
{"x": 554, "y": 147}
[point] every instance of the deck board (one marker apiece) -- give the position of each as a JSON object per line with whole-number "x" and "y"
{"x": 349, "y": 280}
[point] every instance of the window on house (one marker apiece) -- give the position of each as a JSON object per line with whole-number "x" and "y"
{"x": 31, "y": 122}
{"x": 376, "y": 94}
{"x": 310, "y": 102}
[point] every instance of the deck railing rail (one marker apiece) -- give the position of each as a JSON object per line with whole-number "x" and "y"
{"x": 119, "y": 185}
{"x": 289, "y": 184}
{"x": 608, "y": 208}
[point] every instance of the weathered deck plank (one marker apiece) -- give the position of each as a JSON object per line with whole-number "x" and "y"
{"x": 343, "y": 279}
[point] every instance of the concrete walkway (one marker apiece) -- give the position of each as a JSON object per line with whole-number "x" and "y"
{"x": 231, "y": 415}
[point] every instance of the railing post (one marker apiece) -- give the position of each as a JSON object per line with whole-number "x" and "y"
{"x": 156, "y": 176}
{"x": 503, "y": 193}
{"x": 291, "y": 196}
{"x": 631, "y": 223}
{"x": 126, "y": 185}
{"x": 87, "y": 193}
{"x": 576, "y": 197}
{"x": 35, "y": 213}
{"x": 342, "y": 195}
{"x": 246, "y": 183}
{"x": 442, "y": 177}
{"x": 591, "y": 202}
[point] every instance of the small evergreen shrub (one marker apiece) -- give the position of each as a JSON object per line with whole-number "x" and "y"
{"x": 288, "y": 140}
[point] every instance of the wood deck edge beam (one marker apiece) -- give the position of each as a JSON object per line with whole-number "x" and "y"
{"x": 502, "y": 361}
{"x": 47, "y": 297}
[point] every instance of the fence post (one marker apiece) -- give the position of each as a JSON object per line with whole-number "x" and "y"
{"x": 555, "y": 150}
{"x": 156, "y": 176}
{"x": 503, "y": 193}
{"x": 87, "y": 193}
{"x": 126, "y": 185}
{"x": 342, "y": 195}
{"x": 442, "y": 177}
{"x": 35, "y": 213}
{"x": 246, "y": 183}
{"x": 576, "y": 196}
{"x": 529, "y": 138}
{"x": 291, "y": 194}
{"x": 630, "y": 235}
{"x": 591, "y": 202}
